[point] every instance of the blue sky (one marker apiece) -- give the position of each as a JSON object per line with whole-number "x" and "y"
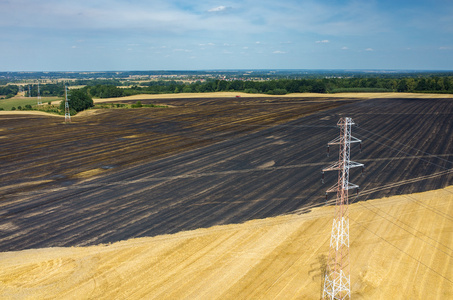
{"x": 103, "y": 35}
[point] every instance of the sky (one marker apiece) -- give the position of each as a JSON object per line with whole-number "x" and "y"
{"x": 116, "y": 35}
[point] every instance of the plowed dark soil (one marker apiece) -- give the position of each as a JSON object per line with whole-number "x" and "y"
{"x": 205, "y": 162}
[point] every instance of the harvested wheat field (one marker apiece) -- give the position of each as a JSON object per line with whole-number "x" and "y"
{"x": 401, "y": 248}
{"x": 293, "y": 95}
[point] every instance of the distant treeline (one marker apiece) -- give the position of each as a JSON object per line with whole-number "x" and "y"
{"x": 110, "y": 89}
{"x": 46, "y": 90}
{"x": 283, "y": 86}
{"x": 9, "y": 91}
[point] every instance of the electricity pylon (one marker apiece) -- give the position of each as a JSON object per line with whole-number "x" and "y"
{"x": 67, "y": 114}
{"x": 39, "y": 96}
{"x": 337, "y": 281}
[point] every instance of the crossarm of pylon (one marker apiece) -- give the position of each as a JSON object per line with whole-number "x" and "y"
{"x": 336, "y": 166}
{"x": 335, "y": 141}
{"x": 334, "y": 188}
{"x": 332, "y": 167}
{"x": 355, "y": 140}
{"x": 338, "y": 141}
{"x": 353, "y": 164}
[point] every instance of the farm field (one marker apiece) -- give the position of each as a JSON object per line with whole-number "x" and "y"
{"x": 40, "y": 148}
{"x": 293, "y": 95}
{"x": 221, "y": 198}
{"x": 121, "y": 174}
{"x": 400, "y": 248}
{"x": 7, "y": 104}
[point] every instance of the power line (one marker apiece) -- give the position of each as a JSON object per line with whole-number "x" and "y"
{"x": 377, "y": 208}
{"x": 401, "y": 151}
{"x": 405, "y": 145}
{"x": 428, "y": 267}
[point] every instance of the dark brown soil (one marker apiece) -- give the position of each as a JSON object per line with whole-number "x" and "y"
{"x": 206, "y": 162}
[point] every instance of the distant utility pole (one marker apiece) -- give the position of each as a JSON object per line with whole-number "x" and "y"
{"x": 39, "y": 96}
{"x": 337, "y": 279}
{"x": 67, "y": 114}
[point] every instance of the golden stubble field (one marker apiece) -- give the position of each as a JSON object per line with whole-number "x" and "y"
{"x": 294, "y": 95}
{"x": 401, "y": 248}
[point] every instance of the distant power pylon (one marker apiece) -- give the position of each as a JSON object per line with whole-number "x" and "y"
{"x": 29, "y": 91}
{"x": 337, "y": 279}
{"x": 39, "y": 96}
{"x": 67, "y": 114}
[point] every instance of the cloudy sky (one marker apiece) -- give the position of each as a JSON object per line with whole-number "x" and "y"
{"x": 96, "y": 35}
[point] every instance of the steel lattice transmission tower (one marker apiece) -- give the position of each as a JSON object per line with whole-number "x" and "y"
{"x": 67, "y": 114}
{"x": 39, "y": 96}
{"x": 337, "y": 280}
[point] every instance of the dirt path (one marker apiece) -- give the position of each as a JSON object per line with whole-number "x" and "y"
{"x": 401, "y": 248}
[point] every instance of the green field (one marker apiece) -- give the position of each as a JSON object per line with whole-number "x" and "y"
{"x": 7, "y": 104}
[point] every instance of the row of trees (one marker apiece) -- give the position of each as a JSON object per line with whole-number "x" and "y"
{"x": 423, "y": 84}
{"x": 47, "y": 90}
{"x": 277, "y": 87}
{"x": 284, "y": 86}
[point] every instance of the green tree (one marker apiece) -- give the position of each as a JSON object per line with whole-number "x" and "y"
{"x": 402, "y": 86}
{"x": 318, "y": 87}
{"x": 222, "y": 85}
{"x": 137, "y": 104}
{"x": 106, "y": 91}
{"x": 78, "y": 100}
{"x": 411, "y": 85}
{"x": 187, "y": 89}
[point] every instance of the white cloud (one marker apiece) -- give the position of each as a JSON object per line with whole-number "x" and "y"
{"x": 369, "y": 49}
{"x": 219, "y": 9}
{"x": 322, "y": 42}
{"x": 279, "y": 52}
{"x": 344, "y": 48}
